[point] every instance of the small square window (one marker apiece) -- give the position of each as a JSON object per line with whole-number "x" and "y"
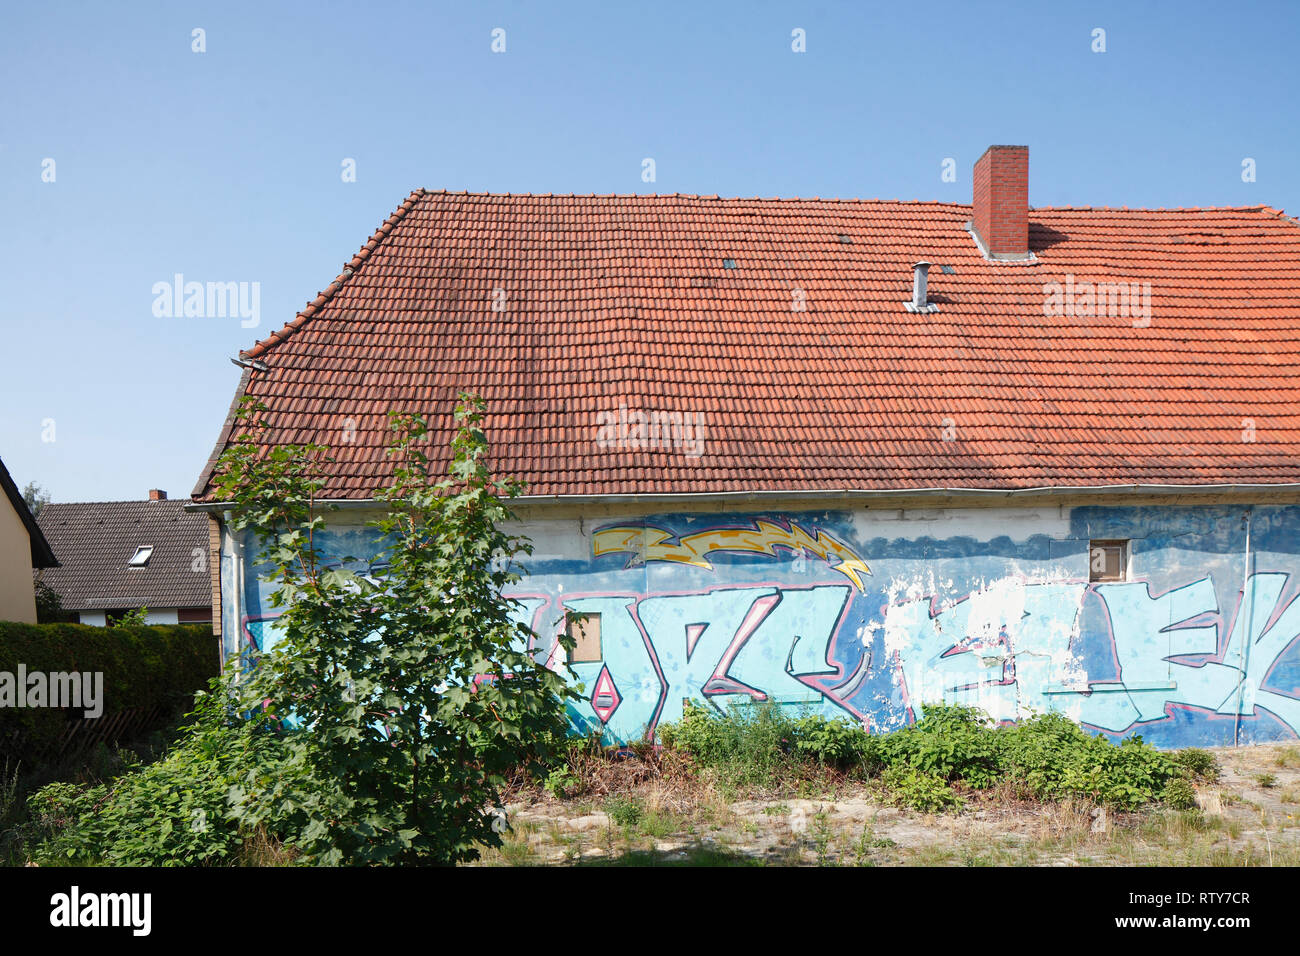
{"x": 585, "y": 631}
{"x": 728, "y": 263}
{"x": 141, "y": 556}
{"x": 1107, "y": 560}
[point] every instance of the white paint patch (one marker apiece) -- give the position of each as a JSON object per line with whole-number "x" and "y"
{"x": 1000, "y": 604}
{"x": 557, "y": 540}
{"x": 982, "y": 524}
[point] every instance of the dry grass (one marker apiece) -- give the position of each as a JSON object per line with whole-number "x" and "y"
{"x": 260, "y": 849}
{"x": 1069, "y": 821}
{"x": 1288, "y": 758}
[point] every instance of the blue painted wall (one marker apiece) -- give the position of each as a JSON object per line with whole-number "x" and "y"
{"x": 847, "y": 613}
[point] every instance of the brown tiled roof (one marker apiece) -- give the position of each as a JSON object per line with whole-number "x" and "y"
{"x": 625, "y": 300}
{"x": 96, "y": 539}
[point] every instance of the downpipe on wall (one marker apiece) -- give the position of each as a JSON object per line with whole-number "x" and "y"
{"x": 1243, "y": 657}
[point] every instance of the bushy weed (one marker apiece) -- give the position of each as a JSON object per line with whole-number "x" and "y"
{"x": 926, "y": 765}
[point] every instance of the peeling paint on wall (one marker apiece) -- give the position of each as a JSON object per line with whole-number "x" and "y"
{"x": 855, "y": 614}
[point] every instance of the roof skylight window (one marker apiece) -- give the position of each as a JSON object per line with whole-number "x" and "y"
{"x": 141, "y": 556}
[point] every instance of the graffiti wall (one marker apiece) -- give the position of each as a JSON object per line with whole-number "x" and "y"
{"x": 870, "y": 615}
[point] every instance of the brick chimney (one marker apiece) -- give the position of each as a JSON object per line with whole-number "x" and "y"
{"x": 1001, "y": 202}
{"x": 157, "y": 495}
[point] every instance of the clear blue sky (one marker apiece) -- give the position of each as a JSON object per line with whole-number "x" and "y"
{"x": 225, "y": 165}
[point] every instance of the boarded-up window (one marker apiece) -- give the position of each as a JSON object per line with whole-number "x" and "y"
{"x": 1107, "y": 560}
{"x": 585, "y": 631}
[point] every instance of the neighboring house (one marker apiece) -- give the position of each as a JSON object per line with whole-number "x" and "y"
{"x": 22, "y": 549}
{"x": 769, "y": 459}
{"x": 123, "y": 555}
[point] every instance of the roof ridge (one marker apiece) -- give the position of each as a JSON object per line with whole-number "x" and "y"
{"x": 122, "y": 501}
{"x": 350, "y": 269}
{"x": 1257, "y": 207}
{"x": 713, "y": 197}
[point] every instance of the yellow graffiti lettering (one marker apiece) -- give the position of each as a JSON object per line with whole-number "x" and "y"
{"x": 655, "y": 544}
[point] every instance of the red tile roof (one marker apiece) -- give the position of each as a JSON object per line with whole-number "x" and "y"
{"x": 615, "y": 300}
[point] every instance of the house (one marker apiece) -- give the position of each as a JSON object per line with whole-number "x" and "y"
{"x": 22, "y": 548}
{"x": 122, "y": 555}
{"x": 848, "y": 456}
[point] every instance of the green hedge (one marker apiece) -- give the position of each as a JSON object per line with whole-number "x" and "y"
{"x": 144, "y": 667}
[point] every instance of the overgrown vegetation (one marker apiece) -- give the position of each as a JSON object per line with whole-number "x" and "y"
{"x": 384, "y": 721}
{"x": 35, "y": 497}
{"x": 1198, "y": 764}
{"x": 137, "y": 617}
{"x": 49, "y": 605}
{"x": 157, "y": 668}
{"x": 102, "y": 762}
{"x": 927, "y": 765}
{"x": 175, "y": 811}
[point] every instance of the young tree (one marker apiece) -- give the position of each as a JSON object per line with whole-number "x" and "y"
{"x": 49, "y": 605}
{"x": 137, "y": 617}
{"x": 411, "y": 698}
{"x": 36, "y": 497}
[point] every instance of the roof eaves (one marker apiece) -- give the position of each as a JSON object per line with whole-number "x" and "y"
{"x": 1162, "y": 489}
{"x": 42, "y": 554}
{"x": 936, "y": 491}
